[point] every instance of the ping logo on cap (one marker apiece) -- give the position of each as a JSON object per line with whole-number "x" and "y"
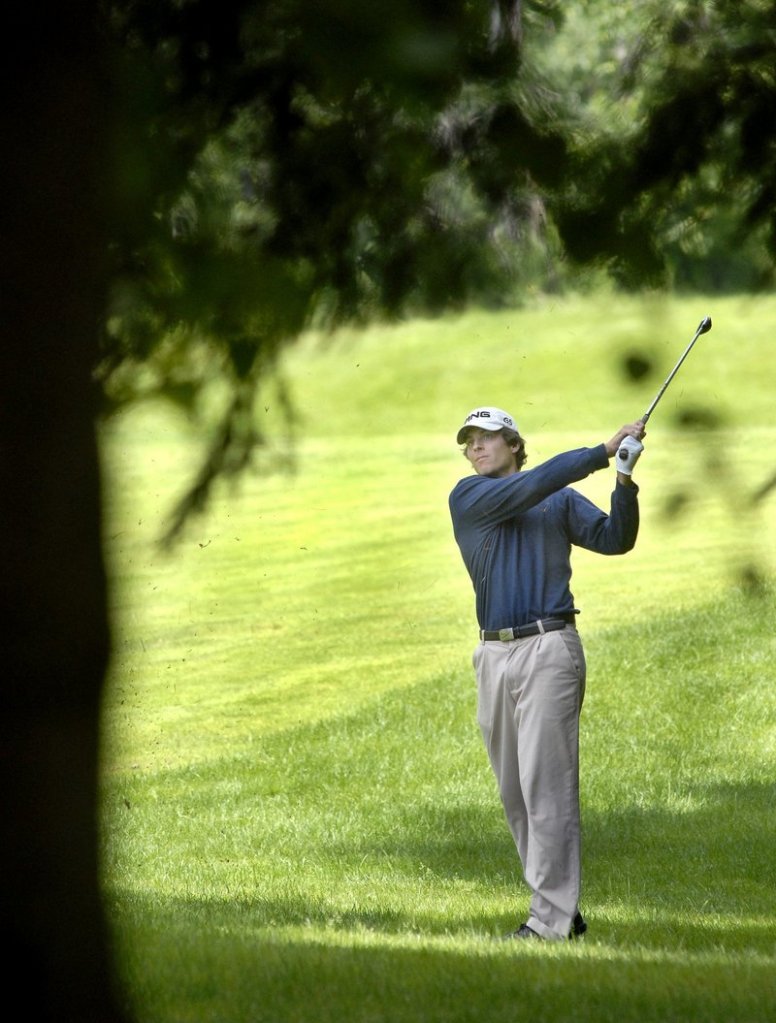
{"x": 489, "y": 413}
{"x": 486, "y": 417}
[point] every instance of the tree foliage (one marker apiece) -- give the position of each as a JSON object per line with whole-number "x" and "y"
{"x": 283, "y": 165}
{"x": 289, "y": 164}
{"x": 676, "y": 178}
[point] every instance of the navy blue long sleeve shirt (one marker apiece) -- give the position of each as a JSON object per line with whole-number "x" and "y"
{"x": 515, "y": 535}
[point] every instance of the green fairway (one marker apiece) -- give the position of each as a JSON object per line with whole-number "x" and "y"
{"x": 299, "y": 819}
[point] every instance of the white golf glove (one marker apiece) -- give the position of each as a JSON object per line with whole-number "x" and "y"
{"x": 628, "y": 454}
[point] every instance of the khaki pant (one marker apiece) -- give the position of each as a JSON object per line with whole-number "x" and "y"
{"x": 530, "y": 694}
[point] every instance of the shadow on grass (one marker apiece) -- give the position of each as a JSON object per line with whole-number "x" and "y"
{"x": 700, "y": 878}
{"x": 233, "y": 967}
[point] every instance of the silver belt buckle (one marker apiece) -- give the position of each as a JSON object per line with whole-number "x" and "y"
{"x": 506, "y": 634}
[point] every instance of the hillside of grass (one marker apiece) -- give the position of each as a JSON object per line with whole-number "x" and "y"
{"x": 342, "y": 576}
{"x": 299, "y": 820}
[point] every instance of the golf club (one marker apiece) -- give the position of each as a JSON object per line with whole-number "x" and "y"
{"x": 703, "y": 328}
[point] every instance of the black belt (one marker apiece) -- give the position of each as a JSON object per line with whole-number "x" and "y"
{"x": 531, "y": 629}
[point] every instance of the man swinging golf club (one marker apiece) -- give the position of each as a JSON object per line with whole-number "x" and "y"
{"x": 515, "y": 530}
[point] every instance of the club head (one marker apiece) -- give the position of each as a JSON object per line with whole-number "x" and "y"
{"x": 705, "y": 325}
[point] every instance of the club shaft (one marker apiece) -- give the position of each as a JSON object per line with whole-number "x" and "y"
{"x": 703, "y": 326}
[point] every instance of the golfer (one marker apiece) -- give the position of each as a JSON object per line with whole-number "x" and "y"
{"x": 515, "y": 530}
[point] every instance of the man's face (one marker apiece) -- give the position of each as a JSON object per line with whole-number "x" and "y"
{"x": 489, "y": 453}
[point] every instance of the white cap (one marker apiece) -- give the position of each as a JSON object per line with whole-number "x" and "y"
{"x": 487, "y": 418}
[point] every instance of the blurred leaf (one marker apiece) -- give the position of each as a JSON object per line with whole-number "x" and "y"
{"x": 636, "y": 366}
{"x": 698, "y": 418}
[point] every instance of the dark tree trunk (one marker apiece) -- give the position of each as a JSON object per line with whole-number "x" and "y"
{"x": 53, "y": 605}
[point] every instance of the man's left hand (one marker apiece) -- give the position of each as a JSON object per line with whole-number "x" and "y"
{"x": 628, "y": 454}
{"x": 631, "y": 430}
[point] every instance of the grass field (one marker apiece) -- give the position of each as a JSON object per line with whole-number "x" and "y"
{"x": 299, "y": 819}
